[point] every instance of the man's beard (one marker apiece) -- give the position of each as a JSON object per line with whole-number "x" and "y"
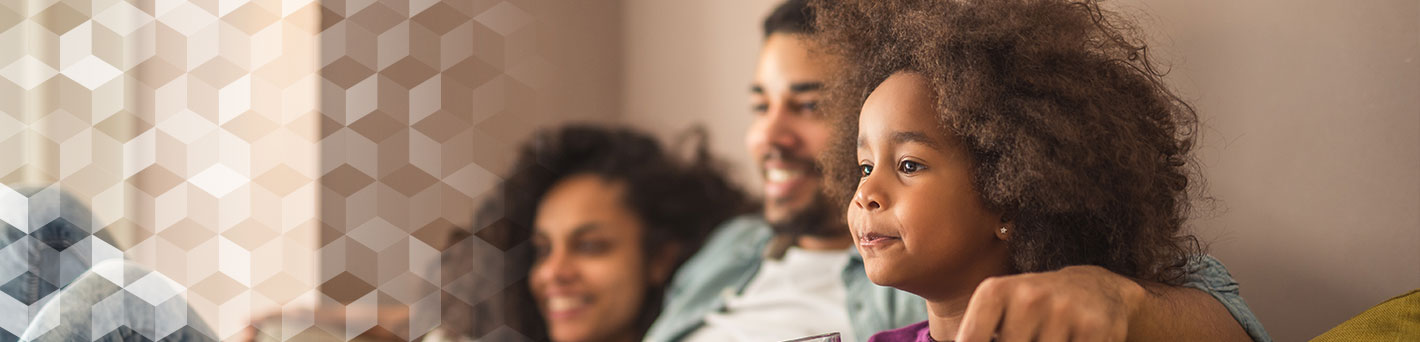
{"x": 816, "y": 219}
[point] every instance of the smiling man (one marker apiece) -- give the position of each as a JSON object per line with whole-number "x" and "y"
{"x": 792, "y": 271}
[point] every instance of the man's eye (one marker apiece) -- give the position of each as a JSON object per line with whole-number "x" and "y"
{"x": 865, "y": 169}
{"x": 909, "y": 166}
{"x": 809, "y": 106}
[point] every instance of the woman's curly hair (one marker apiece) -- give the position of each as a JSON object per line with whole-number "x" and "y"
{"x": 1073, "y": 134}
{"x": 677, "y": 201}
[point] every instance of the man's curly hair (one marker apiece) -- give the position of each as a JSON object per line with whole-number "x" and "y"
{"x": 1073, "y": 134}
{"x": 677, "y": 201}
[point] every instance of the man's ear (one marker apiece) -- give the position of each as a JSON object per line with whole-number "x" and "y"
{"x": 662, "y": 263}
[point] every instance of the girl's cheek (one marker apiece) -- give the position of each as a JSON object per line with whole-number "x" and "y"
{"x": 853, "y": 218}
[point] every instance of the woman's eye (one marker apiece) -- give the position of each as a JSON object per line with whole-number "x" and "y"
{"x": 591, "y": 247}
{"x": 865, "y": 169}
{"x": 809, "y": 106}
{"x": 909, "y": 166}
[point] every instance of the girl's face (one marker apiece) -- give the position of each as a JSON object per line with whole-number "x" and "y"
{"x": 590, "y": 275}
{"x": 920, "y": 225}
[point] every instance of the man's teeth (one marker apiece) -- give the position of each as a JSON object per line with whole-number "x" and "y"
{"x": 781, "y": 175}
{"x": 563, "y": 303}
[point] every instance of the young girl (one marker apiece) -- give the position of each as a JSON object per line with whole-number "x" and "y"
{"x": 988, "y": 138}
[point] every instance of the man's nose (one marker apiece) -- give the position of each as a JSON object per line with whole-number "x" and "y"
{"x": 779, "y": 128}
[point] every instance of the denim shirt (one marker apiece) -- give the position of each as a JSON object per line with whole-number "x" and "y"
{"x": 733, "y": 254}
{"x": 1209, "y": 275}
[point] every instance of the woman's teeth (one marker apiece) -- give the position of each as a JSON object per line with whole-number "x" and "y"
{"x": 564, "y": 303}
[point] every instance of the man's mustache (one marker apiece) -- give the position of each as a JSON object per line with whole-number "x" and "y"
{"x": 806, "y": 163}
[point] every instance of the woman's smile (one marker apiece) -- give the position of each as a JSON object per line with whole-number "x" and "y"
{"x": 566, "y": 307}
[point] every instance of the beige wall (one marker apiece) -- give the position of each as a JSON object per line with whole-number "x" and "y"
{"x": 1311, "y": 136}
{"x": 1312, "y": 144}
{"x": 691, "y": 62}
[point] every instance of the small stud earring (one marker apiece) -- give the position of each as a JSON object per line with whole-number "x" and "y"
{"x": 1003, "y": 229}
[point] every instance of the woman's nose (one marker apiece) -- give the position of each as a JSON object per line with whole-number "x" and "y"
{"x": 557, "y": 267}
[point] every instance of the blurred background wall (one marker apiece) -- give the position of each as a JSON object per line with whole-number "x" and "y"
{"x": 1310, "y": 140}
{"x": 297, "y": 155}
{"x": 1311, "y": 144}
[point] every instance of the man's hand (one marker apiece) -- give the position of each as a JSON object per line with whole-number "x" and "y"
{"x": 1077, "y": 303}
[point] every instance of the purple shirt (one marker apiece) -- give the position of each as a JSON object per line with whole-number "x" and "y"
{"x": 917, "y": 332}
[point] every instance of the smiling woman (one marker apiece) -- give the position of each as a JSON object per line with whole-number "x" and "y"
{"x": 609, "y": 216}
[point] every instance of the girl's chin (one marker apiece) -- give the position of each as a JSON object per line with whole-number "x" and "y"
{"x": 884, "y": 275}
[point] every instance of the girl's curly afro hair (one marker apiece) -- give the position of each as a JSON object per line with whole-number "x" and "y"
{"x": 1072, "y": 131}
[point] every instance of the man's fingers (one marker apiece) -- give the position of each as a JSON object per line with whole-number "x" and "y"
{"x": 1027, "y": 309}
{"x": 1088, "y": 335}
{"x": 983, "y": 313}
{"x": 1094, "y": 327}
{"x": 1056, "y": 328}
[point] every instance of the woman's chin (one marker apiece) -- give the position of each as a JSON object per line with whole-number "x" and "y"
{"x": 568, "y": 334}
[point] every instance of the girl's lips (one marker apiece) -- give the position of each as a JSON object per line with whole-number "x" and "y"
{"x": 876, "y": 239}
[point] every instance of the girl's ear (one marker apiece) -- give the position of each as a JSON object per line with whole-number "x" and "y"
{"x": 662, "y": 264}
{"x": 1004, "y": 231}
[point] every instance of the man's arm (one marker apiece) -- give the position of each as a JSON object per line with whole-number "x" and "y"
{"x": 1184, "y": 314}
{"x": 1090, "y": 303}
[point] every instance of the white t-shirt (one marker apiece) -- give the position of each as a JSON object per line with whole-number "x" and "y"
{"x": 800, "y": 295}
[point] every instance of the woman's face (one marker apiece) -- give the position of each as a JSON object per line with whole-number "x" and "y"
{"x": 590, "y": 274}
{"x": 920, "y": 225}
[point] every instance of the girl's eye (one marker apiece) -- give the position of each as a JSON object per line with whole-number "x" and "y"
{"x": 865, "y": 169}
{"x": 910, "y": 167}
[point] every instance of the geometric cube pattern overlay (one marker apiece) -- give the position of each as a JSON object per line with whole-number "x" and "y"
{"x": 275, "y": 159}
{"x": 163, "y": 117}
